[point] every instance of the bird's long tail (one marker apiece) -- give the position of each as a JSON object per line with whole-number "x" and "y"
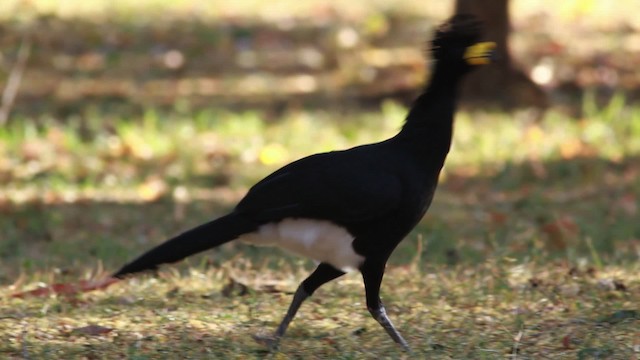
{"x": 203, "y": 237}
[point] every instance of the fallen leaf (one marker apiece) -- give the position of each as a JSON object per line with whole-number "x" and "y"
{"x": 628, "y": 204}
{"x": 359, "y": 331}
{"x": 126, "y": 300}
{"x": 606, "y": 284}
{"x": 498, "y": 218}
{"x": 273, "y": 154}
{"x": 560, "y": 232}
{"x": 619, "y": 285}
{"x": 571, "y": 148}
{"x": 67, "y": 288}
{"x": 535, "y": 282}
{"x": 92, "y": 330}
{"x": 570, "y": 290}
{"x": 173, "y": 292}
{"x": 152, "y": 189}
{"x": 234, "y": 287}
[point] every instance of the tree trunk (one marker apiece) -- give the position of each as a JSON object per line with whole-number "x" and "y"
{"x": 501, "y": 84}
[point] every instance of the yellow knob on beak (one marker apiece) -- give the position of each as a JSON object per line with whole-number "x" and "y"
{"x": 480, "y": 53}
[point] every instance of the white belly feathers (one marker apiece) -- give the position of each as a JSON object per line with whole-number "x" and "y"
{"x": 316, "y": 239}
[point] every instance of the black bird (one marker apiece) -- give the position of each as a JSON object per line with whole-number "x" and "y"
{"x": 349, "y": 209}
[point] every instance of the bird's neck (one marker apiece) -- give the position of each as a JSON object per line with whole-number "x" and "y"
{"x": 435, "y": 107}
{"x": 428, "y": 129}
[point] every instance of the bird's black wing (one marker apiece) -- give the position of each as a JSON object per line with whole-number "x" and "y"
{"x": 346, "y": 186}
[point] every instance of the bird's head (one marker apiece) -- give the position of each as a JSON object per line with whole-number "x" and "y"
{"x": 457, "y": 44}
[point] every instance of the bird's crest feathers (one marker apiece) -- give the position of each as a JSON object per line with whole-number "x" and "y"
{"x": 462, "y": 31}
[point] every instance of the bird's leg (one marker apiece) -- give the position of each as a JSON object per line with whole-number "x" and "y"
{"x": 298, "y": 298}
{"x": 372, "y": 275}
{"x": 380, "y": 314}
{"x": 321, "y": 275}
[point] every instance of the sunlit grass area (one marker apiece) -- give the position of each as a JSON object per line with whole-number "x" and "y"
{"x": 97, "y": 151}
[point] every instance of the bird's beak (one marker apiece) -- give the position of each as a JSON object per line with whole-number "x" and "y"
{"x": 481, "y": 53}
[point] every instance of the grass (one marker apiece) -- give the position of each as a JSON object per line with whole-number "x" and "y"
{"x": 498, "y": 312}
{"x": 530, "y": 249}
{"x": 87, "y": 148}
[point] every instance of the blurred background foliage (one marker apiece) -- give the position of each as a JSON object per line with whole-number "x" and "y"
{"x": 137, "y": 119}
{"x": 152, "y": 53}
